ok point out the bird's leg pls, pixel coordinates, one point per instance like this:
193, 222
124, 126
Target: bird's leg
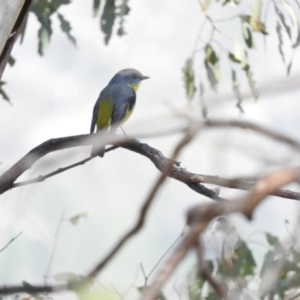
123, 131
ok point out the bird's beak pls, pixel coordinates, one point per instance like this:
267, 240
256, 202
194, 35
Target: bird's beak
145, 77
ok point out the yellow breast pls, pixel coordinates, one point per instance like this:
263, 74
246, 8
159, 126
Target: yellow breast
134, 86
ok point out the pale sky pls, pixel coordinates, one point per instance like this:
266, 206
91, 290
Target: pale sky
54, 96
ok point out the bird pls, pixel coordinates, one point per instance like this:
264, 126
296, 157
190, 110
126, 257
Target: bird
115, 104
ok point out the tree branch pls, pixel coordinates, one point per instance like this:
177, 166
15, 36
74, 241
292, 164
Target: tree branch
194, 181
13, 35
11, 241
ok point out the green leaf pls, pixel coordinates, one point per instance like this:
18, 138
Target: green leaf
247, 34
11, 61
243, 263
41, 8
269, 257
96, 7
213, 296
123, 10
189, 78
212, 66
96, 294
224, 2
256, 24
44, 34
202, 101
251, 81
207, 4
294, 21
233, 2
66, 28
240, 57
272, 239
256, 8
195, 284
2, 92
279, 30
55, 4
108, 19
282, 22
295, 255
236, 90
240, 54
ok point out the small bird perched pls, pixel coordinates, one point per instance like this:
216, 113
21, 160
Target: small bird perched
115, 103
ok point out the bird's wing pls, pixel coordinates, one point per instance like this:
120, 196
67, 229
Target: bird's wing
124, 101
105, 93
94, 117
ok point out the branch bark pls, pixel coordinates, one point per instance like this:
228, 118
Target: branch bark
192, 180
4, 55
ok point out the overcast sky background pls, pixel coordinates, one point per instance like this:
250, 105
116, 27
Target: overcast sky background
53, 96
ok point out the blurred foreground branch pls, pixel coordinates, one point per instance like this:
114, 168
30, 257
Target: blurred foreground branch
199, 218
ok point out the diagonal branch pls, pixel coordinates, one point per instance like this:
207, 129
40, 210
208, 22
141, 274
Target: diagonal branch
14, 34
192, 180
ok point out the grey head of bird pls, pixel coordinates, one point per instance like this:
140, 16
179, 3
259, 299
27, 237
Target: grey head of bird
130, 77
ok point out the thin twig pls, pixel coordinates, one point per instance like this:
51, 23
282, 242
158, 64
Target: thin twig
44, 177
11, 241
54, 246
146, 277
164, 255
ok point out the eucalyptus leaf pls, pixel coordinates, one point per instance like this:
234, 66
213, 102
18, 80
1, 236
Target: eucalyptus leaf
108, 19
247, 34
255, 20
294, 21
44, 34
212, 66
189, 78
279, 30
272, 239
66, 28
123, 10
283, 22
2, 92
207, 4
236, 90
243, 263
96, 7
